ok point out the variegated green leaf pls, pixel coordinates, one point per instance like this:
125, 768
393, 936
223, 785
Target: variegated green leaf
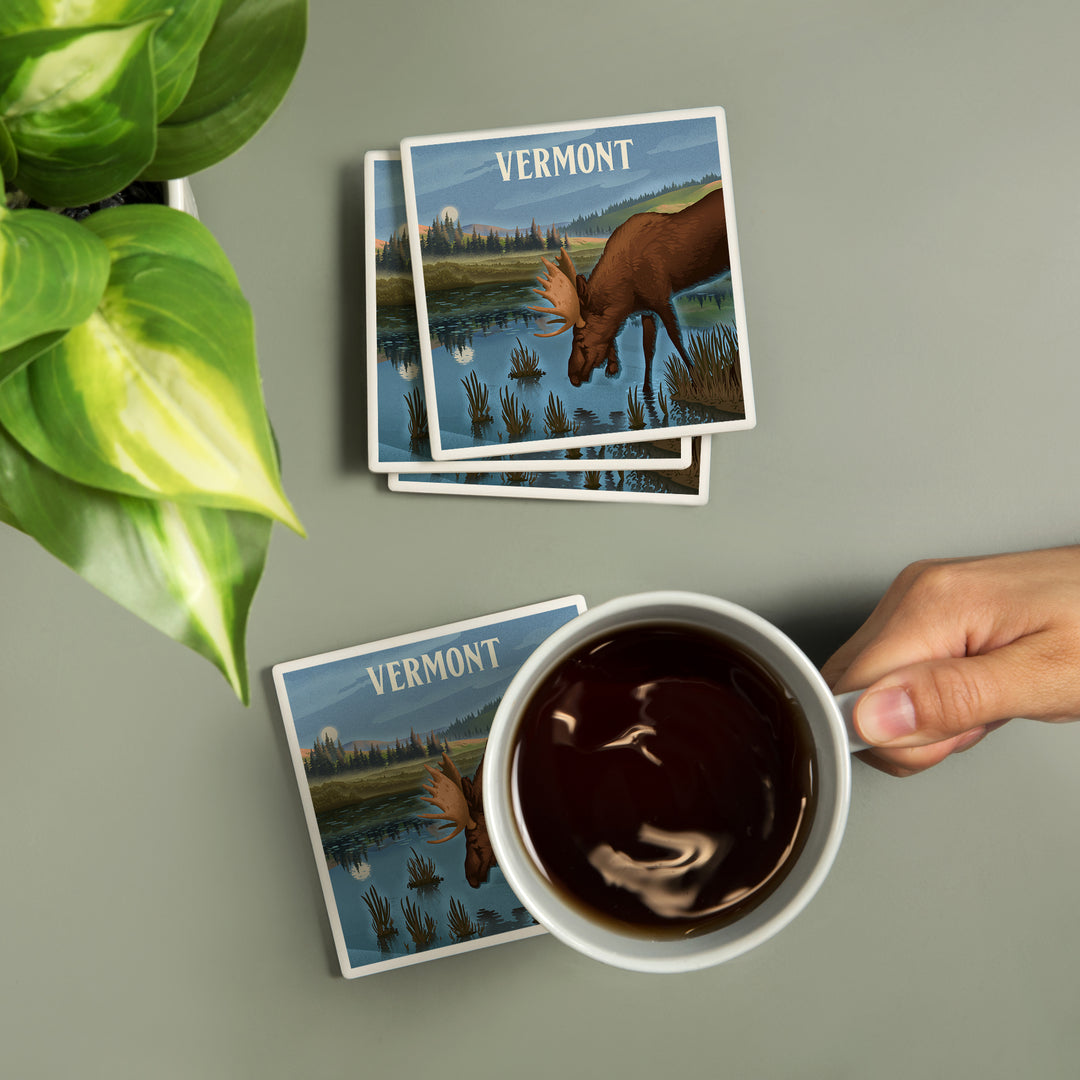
19, 15
149, 229
7, 515
189, 571
18, 356
157, 394
52, 274
246, 66
9, 157
176, 44
79, 106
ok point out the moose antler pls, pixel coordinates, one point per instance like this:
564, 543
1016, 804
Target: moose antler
447, 794
560, 290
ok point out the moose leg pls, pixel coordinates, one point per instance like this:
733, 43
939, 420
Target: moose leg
648, 344
667, 316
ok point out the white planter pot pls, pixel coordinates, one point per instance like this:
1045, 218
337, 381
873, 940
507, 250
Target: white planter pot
178, 194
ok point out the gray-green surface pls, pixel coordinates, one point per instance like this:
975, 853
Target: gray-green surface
905, 177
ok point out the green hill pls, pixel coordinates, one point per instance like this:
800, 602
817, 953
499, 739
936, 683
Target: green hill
604, 222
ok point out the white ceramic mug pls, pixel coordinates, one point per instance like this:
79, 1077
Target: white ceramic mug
829, 720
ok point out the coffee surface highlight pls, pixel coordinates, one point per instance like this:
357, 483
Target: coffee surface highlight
663, 779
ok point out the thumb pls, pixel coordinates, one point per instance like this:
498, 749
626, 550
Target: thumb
939, 699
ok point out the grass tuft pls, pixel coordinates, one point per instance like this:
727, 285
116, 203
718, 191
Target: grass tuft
717, 377
422, 872
461, 926
477, 393
525, 363
516, 418
556, 422
418, 421
421, 926
635, 410
381, 921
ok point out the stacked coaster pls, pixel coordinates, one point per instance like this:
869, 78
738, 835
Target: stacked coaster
556, 311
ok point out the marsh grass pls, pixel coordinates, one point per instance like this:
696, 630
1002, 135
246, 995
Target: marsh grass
422, 927
422, 873
461, 926
556, 422
464, 271
418, 421
516, 418
353, 787
717, 377
635, 410
525, 363
477, 393
381, 920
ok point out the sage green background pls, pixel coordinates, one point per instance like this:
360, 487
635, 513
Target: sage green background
905, 178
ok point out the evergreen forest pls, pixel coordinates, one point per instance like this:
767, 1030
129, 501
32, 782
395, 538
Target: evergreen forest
328, 757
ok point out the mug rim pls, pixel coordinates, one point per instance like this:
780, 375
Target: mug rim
635, 951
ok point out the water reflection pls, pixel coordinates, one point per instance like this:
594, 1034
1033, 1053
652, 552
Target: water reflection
481, 327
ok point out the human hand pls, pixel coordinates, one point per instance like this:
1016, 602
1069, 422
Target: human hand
956, 648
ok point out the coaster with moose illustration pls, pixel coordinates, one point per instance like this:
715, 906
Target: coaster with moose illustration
585, 278
684, 486
398, 430
387, 742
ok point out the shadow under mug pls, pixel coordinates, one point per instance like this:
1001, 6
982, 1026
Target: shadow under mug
834, 738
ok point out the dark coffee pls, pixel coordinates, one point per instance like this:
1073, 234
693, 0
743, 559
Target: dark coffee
663, 779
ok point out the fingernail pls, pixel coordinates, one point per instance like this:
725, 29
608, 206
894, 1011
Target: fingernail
970, 738
886, 715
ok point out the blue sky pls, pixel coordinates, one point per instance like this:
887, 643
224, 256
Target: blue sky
389, 198
340, 692
467, 173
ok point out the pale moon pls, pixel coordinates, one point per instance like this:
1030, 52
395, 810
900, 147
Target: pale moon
328, 732
448, 211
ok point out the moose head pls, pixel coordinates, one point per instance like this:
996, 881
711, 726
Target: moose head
462, 804
647, 260
568, 293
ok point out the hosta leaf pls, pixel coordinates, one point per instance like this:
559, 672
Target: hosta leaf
79, 106
189, 571
245, 68
17, 357
7, 515
144, 229
175, 48
9, 157
52, 274
19, 15
157, 394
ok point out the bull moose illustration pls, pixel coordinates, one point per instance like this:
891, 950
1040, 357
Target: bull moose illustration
461, 801
648, 259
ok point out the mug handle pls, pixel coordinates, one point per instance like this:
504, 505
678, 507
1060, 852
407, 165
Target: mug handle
846, 704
